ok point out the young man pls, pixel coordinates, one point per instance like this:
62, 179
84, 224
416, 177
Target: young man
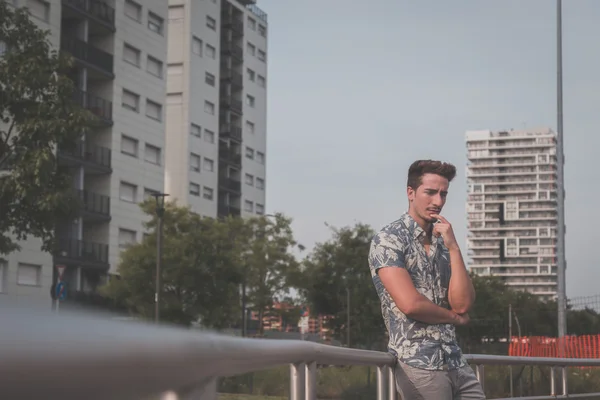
425, 290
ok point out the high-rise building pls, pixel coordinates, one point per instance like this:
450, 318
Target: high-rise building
216, 106
120, 52
512, 207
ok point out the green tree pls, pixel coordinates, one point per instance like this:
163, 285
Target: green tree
338, 268
38, 115
268, 261
200, 270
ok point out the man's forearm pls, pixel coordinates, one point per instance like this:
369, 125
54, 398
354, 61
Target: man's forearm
424, 310
461, 293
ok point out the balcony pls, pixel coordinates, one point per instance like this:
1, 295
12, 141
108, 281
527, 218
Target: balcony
236, 27
224, 210
97, 105
95, 159
232, 77
228, 48
88, 55
80, 252
232, 104
230, 156
231, 185
97, 11
230, 131
94, 206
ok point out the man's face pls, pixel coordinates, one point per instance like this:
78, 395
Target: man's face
429, 198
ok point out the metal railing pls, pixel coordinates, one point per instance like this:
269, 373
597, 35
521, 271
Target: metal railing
95, 8
88, 53
108, 359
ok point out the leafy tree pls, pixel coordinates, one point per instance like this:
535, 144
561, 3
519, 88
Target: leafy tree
268, 260
338, 268
38, 115
200, 270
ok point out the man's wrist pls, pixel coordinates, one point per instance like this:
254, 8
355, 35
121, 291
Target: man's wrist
454, 248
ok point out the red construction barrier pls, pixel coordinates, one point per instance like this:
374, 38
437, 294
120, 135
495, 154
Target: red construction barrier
587, 346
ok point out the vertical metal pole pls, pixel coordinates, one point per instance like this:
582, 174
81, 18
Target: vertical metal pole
510, 370
552, 382
348, 317
244, 323
297, 375
158, 264
480, 373
392, 392
381, 382
560, 253
565, 381
310, 388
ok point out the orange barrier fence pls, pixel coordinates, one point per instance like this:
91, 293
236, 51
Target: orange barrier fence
587, 346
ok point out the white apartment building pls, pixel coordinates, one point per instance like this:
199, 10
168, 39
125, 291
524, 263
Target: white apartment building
512, 207
217, 106
120, 52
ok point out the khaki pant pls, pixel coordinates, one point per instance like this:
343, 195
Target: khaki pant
420, 384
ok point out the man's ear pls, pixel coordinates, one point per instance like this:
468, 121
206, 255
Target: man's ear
410, 193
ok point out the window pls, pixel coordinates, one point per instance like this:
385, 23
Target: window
127, 192
260, 209
155, 23
127, 237
262, 30
251, 49
152, 154
154, 66
209, 79
194, 189
129, 146
262, 82
211, 52
250, 74
209, 136
209, 108
133, 10
249, 127
29, 274
39, 9
197, 46
262, 56
250, 100
194, 162
249, 180
249, 153
131, 55
130, 100
209, 165
208, 193
248, 206
252, 23
153, 110
260, 157
3, 272
211, 23
260, 183
195, 130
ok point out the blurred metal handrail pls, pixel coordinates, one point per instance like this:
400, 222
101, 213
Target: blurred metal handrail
67, 356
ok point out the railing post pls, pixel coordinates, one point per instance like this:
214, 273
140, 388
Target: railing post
310, 388
564, 381
480, 372
392, 392
297, 379
381, 382
552, 382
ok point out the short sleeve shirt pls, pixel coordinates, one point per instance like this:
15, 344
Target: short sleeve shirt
418, 344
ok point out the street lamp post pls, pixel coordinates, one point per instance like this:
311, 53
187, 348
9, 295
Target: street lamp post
160, 212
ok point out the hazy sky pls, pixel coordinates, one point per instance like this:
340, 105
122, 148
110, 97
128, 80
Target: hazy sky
357, 91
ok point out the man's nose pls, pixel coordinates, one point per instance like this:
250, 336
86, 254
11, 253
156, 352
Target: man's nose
438, 201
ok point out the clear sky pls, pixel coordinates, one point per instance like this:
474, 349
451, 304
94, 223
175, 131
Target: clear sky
359, 90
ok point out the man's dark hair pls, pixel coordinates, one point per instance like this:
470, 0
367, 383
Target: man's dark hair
422, 167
